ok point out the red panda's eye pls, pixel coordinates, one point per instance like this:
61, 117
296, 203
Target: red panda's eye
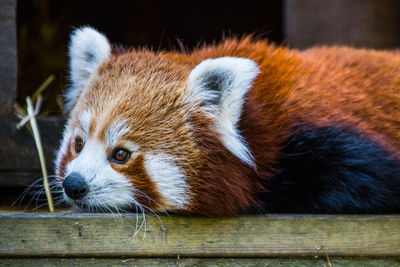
78, 145
121, 155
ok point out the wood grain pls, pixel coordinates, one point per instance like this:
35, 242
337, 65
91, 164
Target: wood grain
184, 262
101, 235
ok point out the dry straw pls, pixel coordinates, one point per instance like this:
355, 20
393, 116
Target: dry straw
31, 117
36, 136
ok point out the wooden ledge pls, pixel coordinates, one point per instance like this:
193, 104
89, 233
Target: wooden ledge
190, 262
102, 235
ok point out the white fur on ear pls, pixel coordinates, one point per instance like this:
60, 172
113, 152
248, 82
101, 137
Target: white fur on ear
221, 84
88, 48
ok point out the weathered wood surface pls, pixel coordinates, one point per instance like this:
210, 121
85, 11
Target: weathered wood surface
101, 235
361, 23
183, 262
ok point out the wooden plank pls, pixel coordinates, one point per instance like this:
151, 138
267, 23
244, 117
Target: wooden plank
101, 235
8, 56
361, 23
183, 262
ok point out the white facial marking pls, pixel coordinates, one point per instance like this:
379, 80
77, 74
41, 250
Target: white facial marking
231, 78
107, 187
170, 179
84, 121
132, 147
115, 131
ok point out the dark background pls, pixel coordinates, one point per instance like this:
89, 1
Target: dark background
44, 26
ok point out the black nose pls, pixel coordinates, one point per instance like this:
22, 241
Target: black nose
75, 186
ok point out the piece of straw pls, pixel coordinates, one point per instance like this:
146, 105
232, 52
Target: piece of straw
36, 136
43, 86
25, 119
36, 97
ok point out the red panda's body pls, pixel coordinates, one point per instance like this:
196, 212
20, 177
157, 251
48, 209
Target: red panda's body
278, 131
329, 86
322, 86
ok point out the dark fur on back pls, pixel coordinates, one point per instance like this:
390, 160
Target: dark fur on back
333, 170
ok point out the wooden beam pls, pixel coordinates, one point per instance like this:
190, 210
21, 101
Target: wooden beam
102, 235
185, 262
8, 56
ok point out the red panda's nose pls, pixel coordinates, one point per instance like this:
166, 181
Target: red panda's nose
75, 186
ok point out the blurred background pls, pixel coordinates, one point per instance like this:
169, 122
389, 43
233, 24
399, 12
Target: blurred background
43, 28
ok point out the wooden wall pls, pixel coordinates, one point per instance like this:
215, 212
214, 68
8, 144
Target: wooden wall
359, 23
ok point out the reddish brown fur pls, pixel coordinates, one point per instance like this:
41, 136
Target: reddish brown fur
319, 86
156, 127
66, 158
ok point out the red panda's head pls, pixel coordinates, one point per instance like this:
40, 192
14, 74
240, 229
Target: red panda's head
145, 130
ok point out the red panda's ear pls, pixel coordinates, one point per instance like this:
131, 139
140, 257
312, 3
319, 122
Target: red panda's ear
221, 84
88, 48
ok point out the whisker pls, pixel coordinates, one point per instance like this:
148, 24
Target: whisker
159, 219
39, 206
142, 194
137, 221
38, 196
59, 201
34, 185
26, 191
32, 198
118, 214
143, 221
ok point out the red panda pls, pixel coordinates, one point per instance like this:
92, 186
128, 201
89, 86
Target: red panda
241, 126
